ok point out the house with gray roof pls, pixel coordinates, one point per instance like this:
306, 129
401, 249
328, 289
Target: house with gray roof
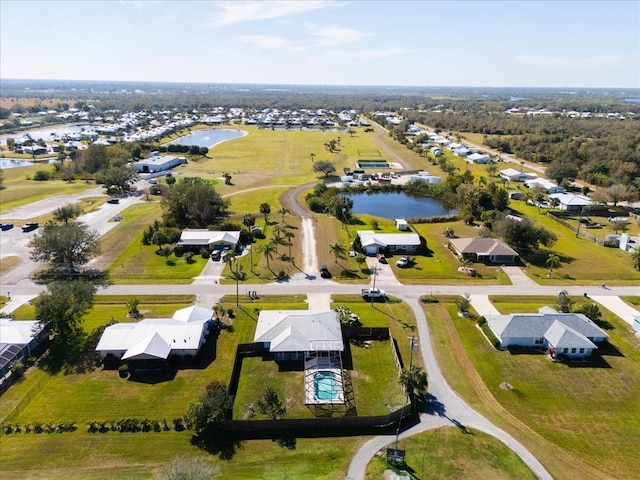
573, 335
373, 242
482, 249
211, 239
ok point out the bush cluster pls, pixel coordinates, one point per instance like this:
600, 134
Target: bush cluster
39, 427
133, 425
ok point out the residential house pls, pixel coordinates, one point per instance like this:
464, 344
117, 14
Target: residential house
573, 335
149, 343
571, 202
513, 175
18, 340
310, 336
479, 158
482, 249
211, 239
373, 242
401, 224
425, 177
547, 185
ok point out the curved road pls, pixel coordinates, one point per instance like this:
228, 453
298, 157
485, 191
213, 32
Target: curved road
447, 407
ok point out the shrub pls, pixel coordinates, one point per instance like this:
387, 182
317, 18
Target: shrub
123, 371
17, 370
204, 253
41, 176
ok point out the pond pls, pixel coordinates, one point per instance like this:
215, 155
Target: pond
208, 138
394, 205
13, 163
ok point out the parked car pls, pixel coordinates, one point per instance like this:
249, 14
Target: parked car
402, 262
113, 200
382, 258
216, 255
324, 272
27, 227
6, 226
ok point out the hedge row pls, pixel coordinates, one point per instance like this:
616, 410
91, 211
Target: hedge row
125, 425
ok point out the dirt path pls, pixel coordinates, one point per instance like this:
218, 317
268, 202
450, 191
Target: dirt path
309, 251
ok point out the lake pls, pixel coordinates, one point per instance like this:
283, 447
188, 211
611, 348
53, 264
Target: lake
14, 163
208, 138
394, 205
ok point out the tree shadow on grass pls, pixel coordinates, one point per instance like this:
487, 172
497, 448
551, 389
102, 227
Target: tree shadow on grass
222, 444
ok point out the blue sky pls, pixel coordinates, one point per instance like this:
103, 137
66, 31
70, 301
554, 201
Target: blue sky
423, 43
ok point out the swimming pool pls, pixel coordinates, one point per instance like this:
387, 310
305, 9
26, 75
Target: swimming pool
325, 385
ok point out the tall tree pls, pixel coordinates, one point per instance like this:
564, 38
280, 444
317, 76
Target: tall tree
268, 249
207, 414
325, 167
65, 245
414, 381
283, 211
67, 212
265, 209
193, 203
61, 311
339, 251
553, 260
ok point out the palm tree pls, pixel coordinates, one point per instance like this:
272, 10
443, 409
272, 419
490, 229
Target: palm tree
268, 249
283, 211
289, 235
338, 250
265, 209
277, 240
553, 260
249, 220
414, 380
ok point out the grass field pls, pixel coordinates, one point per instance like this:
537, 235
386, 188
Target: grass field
577, 416
448, 453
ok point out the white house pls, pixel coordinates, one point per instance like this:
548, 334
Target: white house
372, 242
462, 152
294, 334
570, 334
547, 185
401, 224
479, 158
571, 202
513, 175
211, 239
150, 342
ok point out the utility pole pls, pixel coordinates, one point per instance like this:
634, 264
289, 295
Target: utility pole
375, 274
412, 339
237, 286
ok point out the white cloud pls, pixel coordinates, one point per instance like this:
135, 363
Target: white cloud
593, 61
138, 4
330, 35
236, 12
266, 41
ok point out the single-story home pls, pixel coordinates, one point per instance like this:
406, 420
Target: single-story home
211, 239
158, 163
373, 242
482, 249
150, 342
513, 175
547, 185
295, 334
571, 202
479, 158
18, 340
461, 152
571, 334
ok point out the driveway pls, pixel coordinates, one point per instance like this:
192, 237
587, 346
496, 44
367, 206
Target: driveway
616, 305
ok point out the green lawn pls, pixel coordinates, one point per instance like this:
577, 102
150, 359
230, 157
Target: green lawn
449, 453
578, 415
581, 259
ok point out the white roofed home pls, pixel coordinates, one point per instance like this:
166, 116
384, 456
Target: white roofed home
484, 249
150, 342
373, 242
572, 335
571, 202
211, 239
18, 340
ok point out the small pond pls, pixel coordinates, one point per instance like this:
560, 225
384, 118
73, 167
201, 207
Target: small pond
13, 163
394, 205
208, 138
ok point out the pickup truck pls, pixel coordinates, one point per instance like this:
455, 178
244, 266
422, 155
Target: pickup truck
369, 293
27, 227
